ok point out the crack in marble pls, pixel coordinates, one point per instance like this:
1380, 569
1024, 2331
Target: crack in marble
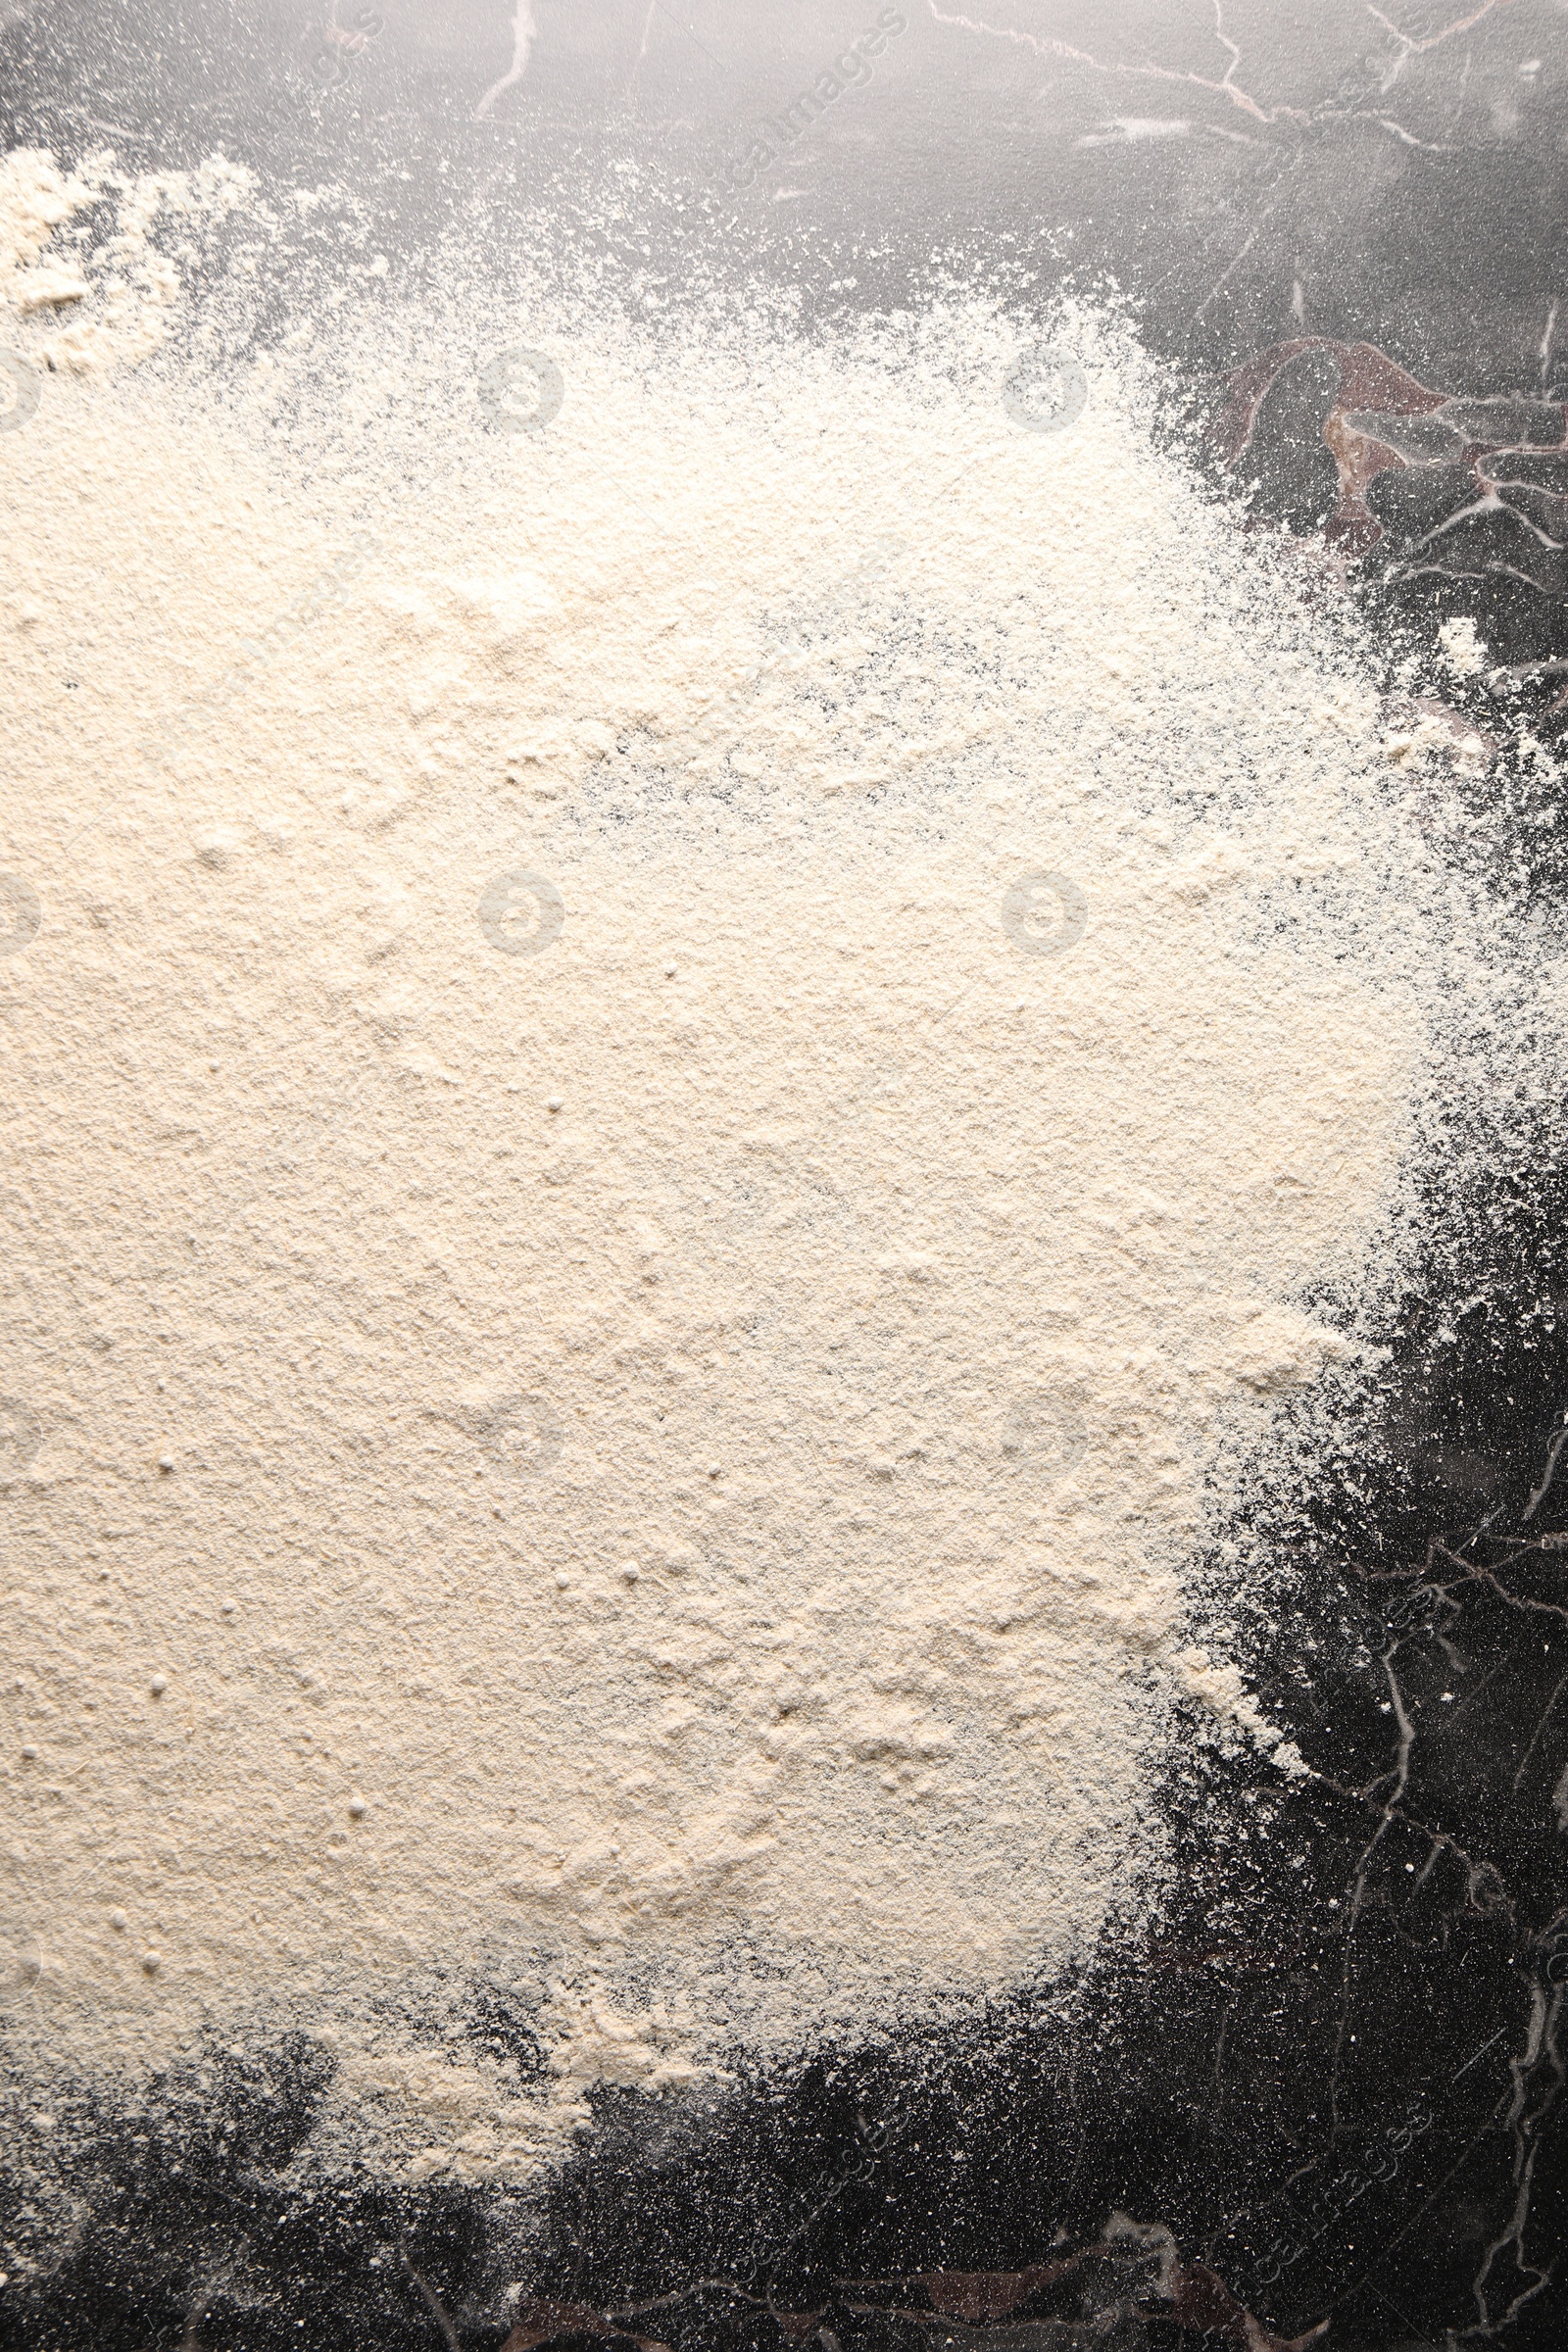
1352, 108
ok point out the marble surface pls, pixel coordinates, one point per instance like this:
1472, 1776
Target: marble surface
1323, 2099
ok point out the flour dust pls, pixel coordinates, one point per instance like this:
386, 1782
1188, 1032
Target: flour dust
686, 1064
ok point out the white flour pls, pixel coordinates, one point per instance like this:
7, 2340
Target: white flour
662, 1467
103, 300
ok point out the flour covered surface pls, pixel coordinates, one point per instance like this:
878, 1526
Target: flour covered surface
705, 1020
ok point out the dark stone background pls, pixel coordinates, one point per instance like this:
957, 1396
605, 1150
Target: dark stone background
1324, 2090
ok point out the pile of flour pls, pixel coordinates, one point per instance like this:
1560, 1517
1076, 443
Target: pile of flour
680, 1065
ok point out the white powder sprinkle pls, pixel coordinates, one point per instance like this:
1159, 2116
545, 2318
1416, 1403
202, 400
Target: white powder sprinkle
682, 1073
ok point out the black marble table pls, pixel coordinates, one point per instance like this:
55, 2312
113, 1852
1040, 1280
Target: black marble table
1322, 2099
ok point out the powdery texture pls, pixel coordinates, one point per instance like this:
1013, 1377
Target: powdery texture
80, 263
665, 1460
